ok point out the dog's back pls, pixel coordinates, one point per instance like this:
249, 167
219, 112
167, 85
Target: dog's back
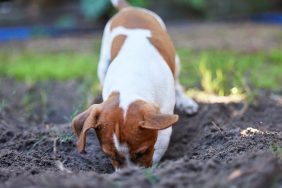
142, 58
138, 18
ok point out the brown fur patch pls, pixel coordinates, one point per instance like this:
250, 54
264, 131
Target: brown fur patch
108, 119
140, 141
111, 121
116, 46
136, 18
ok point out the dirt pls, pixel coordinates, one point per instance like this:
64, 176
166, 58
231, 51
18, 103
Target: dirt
244, 37
210, 149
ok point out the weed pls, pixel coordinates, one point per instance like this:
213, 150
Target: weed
43, 101
151, 177
3, 105
66, 138
211, 83
220, 72
276, 149
117, 184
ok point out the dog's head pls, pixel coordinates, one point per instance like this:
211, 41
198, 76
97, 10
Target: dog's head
126, 137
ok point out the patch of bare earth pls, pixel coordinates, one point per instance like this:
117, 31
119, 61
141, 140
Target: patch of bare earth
210, 149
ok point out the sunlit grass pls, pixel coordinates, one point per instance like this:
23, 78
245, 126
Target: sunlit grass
224, 73
220, 73
34, 67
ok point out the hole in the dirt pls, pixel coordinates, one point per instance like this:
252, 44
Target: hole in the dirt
184, 131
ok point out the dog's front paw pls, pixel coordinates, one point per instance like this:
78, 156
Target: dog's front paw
187, 105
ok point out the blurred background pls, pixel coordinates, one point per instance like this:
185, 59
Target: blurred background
231, 64
21, 19
229, 49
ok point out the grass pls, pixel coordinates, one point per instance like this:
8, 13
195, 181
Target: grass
66, 138
216, 72
32, 67
277, 149
224, 72
150, 176
3, 104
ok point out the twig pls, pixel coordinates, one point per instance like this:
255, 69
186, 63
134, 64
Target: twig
218, 128
241, 112
58, 163
55, 147
238, 173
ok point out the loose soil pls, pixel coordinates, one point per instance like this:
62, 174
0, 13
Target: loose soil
210, 149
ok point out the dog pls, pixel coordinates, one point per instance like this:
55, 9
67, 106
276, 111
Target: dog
138, 70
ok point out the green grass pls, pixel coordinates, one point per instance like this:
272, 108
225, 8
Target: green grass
215, 72
225, 72
33, 67
277, 149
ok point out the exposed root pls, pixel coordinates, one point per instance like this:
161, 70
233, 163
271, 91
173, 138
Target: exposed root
61, 167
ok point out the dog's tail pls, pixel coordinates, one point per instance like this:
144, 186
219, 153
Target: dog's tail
120, 4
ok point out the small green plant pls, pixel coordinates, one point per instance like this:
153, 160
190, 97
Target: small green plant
66, 138
27, 103
151, 177
43, 101
213, 84
3, 104
276, 149
117, 184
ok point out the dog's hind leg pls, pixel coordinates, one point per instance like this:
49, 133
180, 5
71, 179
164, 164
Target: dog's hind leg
183, 102
105, 54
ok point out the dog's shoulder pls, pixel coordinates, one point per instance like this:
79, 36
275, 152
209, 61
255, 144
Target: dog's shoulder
139, 18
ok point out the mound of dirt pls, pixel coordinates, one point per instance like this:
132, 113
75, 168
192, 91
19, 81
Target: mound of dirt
210, 149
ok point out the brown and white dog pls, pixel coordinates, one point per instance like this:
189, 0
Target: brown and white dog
138, 69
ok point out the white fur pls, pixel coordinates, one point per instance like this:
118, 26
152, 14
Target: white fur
121, 148
161, 144
105, 54
139, 72
115, 2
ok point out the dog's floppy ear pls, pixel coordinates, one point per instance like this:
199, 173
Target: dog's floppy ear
83, 122
154, 120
